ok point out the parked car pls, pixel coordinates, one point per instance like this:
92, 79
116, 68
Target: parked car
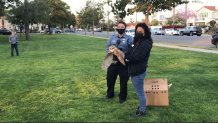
157, 31
172, 31
5, 31
68, 30
53, 30
130, 32
97, 30
191, 30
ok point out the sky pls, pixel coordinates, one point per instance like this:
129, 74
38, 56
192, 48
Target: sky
76, 5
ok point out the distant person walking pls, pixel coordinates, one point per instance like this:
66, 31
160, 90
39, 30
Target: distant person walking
13, 40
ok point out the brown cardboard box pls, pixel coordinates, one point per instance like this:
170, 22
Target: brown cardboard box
156, 92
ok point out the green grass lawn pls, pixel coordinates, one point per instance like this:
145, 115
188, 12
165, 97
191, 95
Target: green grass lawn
59, 78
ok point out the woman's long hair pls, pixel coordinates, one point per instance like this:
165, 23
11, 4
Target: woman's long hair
147, 32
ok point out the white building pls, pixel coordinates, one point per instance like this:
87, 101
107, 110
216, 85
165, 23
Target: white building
193, 5
206, 14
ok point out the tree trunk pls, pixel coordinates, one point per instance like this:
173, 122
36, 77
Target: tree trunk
3, 23
26, 21
49, 29
27, 31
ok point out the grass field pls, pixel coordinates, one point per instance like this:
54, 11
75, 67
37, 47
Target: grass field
58, 78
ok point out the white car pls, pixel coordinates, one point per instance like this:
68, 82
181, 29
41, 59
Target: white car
157, 31
130, 32
171, 31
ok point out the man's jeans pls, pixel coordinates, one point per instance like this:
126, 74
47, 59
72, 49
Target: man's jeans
14, 46
138, 83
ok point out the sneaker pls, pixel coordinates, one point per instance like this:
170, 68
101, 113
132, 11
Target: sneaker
140, 113
107, 97
122, 101
137, 109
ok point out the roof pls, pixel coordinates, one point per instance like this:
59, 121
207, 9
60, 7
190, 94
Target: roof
211, 8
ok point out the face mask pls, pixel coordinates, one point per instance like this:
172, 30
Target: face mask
139, 35
120, 31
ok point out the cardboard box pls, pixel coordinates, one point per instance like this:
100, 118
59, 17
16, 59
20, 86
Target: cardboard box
156, 92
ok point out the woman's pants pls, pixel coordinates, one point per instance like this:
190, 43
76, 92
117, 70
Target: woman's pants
138, 83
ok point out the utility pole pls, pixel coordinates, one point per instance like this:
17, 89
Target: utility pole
173, 16
108, 2
186, 14
93, 21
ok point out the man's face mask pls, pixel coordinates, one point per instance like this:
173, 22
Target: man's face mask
121, 28
120, 31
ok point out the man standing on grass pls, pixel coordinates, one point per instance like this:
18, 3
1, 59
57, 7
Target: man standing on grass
13, 39
122, 42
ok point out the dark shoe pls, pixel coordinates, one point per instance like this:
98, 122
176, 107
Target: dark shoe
137, 110
122, 101
140, 113
108, 97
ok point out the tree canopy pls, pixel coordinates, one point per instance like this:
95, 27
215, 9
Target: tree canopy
92, 12
119, 8
7, 4
151, 6
147, 7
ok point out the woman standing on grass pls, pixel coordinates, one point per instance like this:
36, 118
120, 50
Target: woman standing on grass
13, 39
137, 60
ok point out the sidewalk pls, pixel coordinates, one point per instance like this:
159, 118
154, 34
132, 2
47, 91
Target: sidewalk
171, 46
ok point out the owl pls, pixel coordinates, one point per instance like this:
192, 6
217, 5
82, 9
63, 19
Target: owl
109, 57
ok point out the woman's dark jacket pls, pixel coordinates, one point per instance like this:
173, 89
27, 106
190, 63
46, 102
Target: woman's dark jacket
137, 57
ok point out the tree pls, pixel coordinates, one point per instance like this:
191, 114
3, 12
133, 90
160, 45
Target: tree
212, 23
154, 22
27, 13
90, 15
58, 14
151, 6
186, 14
71, 20
7, 5
177, 20
118, 8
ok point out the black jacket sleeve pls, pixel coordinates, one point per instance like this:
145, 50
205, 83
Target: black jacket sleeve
138, 53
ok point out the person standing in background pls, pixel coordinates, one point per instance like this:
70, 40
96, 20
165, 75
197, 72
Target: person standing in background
13, 40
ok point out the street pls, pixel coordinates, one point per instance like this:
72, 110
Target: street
203, 41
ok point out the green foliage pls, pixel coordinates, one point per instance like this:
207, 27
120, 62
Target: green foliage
154, 22
151, 6
36, 13
177, 20
119, 8
54, 12
7, 4
212, 23
58, 78
91, 12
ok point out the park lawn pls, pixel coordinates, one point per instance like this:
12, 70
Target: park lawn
58, 78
